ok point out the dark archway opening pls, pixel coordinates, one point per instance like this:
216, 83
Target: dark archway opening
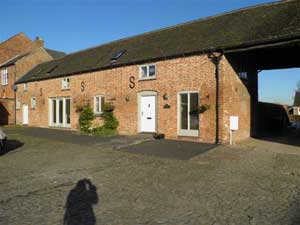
4, 114
269, 119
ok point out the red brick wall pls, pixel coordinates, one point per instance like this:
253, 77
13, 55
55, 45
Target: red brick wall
6, 91
195, 73
36, 56
16, 45
235, 101
18, 70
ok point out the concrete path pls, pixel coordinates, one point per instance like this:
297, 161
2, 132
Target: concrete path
181, 150
41, 182
137, 144
74, 137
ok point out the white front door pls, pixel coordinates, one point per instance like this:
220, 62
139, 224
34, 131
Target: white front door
148, 113
25, 114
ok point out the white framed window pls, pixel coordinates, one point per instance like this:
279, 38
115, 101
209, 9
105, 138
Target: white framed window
188, 113
98, 104
65, 83
33, 102
18, 104
25, 86
4, 77
147, 72
60, 112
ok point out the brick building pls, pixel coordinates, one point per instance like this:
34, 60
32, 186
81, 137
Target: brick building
159, 81
18, 55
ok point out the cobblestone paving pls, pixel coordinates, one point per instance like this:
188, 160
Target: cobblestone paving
257, 182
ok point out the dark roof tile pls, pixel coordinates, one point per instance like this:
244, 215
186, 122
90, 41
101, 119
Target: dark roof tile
55, 54
264, 23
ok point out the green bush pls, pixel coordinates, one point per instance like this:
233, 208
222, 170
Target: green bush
85, 119
110, 121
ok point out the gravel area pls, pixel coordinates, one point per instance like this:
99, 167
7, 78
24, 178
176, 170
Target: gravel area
47, 181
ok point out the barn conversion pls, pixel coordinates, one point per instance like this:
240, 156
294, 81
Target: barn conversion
184, 81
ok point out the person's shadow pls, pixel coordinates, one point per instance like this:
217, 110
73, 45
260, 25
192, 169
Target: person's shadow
79, 205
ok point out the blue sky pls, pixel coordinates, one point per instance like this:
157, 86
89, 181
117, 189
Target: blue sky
77, 24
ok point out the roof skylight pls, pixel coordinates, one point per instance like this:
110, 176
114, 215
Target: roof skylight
117, 55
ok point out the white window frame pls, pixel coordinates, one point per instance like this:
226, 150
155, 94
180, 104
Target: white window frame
148, 77
65, 83
64, 123
101, 98
33, 102
4, 77
25, 86
187, 132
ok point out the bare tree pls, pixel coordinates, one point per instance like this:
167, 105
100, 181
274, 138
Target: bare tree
298, 86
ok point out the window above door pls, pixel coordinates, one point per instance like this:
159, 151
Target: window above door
147, 72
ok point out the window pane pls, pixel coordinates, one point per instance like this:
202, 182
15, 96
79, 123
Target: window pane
67, 82
144, 71
152, 70
54, 110
60, 108
194, 115
97, 106
33, 103
68, 104
184, 111
102, 104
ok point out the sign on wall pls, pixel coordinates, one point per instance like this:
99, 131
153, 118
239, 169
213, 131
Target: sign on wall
82, 86
131, 82
234, 122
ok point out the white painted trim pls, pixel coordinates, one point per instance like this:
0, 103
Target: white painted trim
23, 114
64, 118
100, 104
148, 77
65, 83
33, 103
188, 132
139, 95
4, 77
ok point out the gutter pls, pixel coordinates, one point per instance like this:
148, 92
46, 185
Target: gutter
264, 45
216, 59
15, 94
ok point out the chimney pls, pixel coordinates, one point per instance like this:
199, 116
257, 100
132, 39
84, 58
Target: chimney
38, 43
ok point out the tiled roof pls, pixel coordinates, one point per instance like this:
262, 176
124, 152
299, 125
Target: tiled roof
55, 54
245, 27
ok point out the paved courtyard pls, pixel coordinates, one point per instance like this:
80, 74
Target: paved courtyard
48, 180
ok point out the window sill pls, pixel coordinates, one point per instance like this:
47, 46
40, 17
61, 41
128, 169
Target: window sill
66, 89
188, 133
98, 114
4, 84
60, 127
144, 79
